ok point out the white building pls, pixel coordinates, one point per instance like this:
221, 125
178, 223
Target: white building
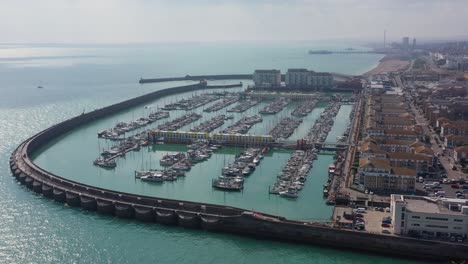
303, 78
429, 217
267, 78
296, 77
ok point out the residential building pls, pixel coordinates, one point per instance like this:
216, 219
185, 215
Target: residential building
452, 141
267, 78
418, 162
377, 175
427, 217
305, 79
460, 153
459, 128
296, 78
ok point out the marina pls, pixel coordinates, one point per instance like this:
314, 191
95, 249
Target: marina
71, 154
179, 141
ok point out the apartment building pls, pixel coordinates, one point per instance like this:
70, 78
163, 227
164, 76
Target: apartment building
428, 217
267, 78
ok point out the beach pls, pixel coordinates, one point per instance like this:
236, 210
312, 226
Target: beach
389, 64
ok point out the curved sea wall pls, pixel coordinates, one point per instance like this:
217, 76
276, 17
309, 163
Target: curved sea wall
200, 215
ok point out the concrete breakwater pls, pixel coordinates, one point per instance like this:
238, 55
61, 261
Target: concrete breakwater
199, 78
199, 215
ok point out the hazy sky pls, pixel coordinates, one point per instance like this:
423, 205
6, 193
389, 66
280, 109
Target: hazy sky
124, 21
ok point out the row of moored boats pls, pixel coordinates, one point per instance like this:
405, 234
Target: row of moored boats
121, 128
180, 122
275, 106
232, 176
285, 127
177, 164
191, 103
107, 158
243, 125
247, 104
292, 178
211, 124
324, 124
229, 100
305, 108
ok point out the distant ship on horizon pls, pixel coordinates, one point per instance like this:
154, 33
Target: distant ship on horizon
320, 52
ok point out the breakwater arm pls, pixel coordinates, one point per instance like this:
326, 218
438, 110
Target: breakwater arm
199, 78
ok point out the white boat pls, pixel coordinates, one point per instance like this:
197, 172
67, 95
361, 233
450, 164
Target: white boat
155, 177
290, 193
246, 171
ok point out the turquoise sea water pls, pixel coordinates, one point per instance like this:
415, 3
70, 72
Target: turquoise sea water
80, 78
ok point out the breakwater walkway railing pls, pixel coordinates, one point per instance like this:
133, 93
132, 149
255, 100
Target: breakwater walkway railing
201, 215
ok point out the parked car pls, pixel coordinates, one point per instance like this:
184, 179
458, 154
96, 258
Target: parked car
385, 231
385, 225
387, 209
455, 186
360, 215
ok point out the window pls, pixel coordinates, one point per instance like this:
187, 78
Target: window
458, 220
403, 209
402, 216
436, 218
415, 224
402, 223
457, 227
436, 226
415, 217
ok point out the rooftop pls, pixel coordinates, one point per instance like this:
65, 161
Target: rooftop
421, 204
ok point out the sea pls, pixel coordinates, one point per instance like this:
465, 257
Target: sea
77, 78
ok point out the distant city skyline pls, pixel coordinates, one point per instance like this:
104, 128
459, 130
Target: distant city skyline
123, 21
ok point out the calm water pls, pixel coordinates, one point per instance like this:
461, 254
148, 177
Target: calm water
81, 78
